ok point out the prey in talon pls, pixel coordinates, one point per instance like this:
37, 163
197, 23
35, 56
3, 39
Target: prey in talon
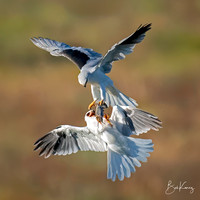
100, 107
99, 112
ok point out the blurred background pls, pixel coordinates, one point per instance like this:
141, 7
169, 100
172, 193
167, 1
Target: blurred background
39, 92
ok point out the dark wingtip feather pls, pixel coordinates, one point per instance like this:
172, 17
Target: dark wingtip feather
148, 26
49, 152
38, 146
43, 151
138, 35
143, 28
42, 138
33, 40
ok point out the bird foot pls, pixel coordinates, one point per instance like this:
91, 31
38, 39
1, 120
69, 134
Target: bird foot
106, 116
101, 102
91, 105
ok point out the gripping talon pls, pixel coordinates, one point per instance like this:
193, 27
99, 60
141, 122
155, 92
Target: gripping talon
101, 102
106, 116
91, 105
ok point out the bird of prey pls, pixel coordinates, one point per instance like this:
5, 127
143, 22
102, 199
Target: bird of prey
94, 67
124, 153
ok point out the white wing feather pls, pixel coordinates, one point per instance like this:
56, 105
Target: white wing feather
79, 55
69, 139
124, 47
130, 120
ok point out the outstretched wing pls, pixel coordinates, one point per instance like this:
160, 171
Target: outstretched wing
80, 56
142, 120
130, 120
124, 47
69, 139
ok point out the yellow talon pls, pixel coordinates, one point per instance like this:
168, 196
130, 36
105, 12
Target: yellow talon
101, 102
91, 105
106, 116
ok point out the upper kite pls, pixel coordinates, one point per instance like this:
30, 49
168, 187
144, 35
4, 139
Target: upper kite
93, 66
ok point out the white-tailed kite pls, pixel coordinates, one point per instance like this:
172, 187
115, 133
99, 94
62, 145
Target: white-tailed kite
124, 152
94, 67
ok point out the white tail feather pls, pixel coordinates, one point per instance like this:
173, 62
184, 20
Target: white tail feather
122, 165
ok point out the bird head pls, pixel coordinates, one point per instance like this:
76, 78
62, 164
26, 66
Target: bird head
90, 118
90, 113
83, 77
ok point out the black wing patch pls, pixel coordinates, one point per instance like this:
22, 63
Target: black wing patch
78, 57
128, 121
136, 37
56, 144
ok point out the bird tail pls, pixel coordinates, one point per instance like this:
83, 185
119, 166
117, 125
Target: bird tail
122, 165
115, 97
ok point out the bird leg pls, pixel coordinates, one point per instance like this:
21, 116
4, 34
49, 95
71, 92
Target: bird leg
101, 102
106, 116
91, 105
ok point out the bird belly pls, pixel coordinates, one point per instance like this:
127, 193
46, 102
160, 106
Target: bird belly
116, 142
108, 137
101, 82
98, 77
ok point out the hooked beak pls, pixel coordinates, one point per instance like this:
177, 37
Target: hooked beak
85, 83
92, 113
